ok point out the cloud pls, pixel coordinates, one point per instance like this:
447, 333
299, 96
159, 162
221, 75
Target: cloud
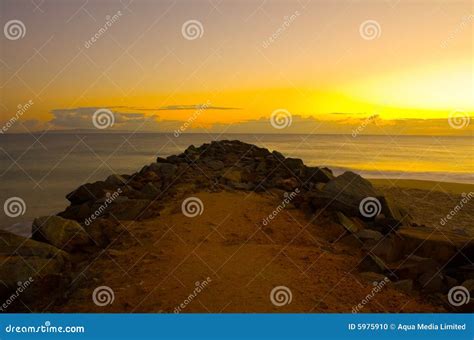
178, 107
82, 118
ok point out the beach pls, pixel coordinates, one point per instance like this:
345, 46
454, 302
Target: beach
232, 227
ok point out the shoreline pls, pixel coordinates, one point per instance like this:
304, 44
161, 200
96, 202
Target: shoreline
205, 213
449, 187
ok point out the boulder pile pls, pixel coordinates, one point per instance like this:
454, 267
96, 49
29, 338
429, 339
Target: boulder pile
411, 257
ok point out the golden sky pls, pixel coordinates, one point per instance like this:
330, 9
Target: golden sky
330, 64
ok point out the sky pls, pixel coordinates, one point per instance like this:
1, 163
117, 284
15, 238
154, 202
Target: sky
368, 67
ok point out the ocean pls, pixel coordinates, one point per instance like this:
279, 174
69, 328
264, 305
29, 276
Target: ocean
42, 169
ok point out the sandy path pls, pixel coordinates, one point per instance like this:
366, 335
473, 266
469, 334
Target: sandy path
155, 268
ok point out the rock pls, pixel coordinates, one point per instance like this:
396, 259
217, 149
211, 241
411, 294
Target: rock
167, 170
132, 209
44, 274
88, 192
233, 175
59, 232
175, 159
278, 155
385, 224
369, 235
414, 266
150, 176
372, 263
79, 212
432, 283
296, 165
392, 211
373, 277
389, 249
405, 286
11, 244
351, 224
104, 231
150, 191
288, 184
469, 284
25, 261
318, 175
161, 160
344, 193
115, 181
215, 164
446, 247
450, 281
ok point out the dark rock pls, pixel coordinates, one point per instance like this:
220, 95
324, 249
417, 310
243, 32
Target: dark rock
318, 175
175, 159
446, 247
150, 191
390, 248
88, 192
369, 235
373, 277
344, 193
78, 212
11, 244
372, 263
132, 209
104, 231
288, 184
59, 232
215, 164
414, 266
432, 283
405, 286
469, 284
166, 170
352, 225
115, 181
44, 275
278, 155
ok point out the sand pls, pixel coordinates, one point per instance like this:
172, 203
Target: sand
158, 264
429, 202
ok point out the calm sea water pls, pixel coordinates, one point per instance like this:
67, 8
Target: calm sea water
41, 170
